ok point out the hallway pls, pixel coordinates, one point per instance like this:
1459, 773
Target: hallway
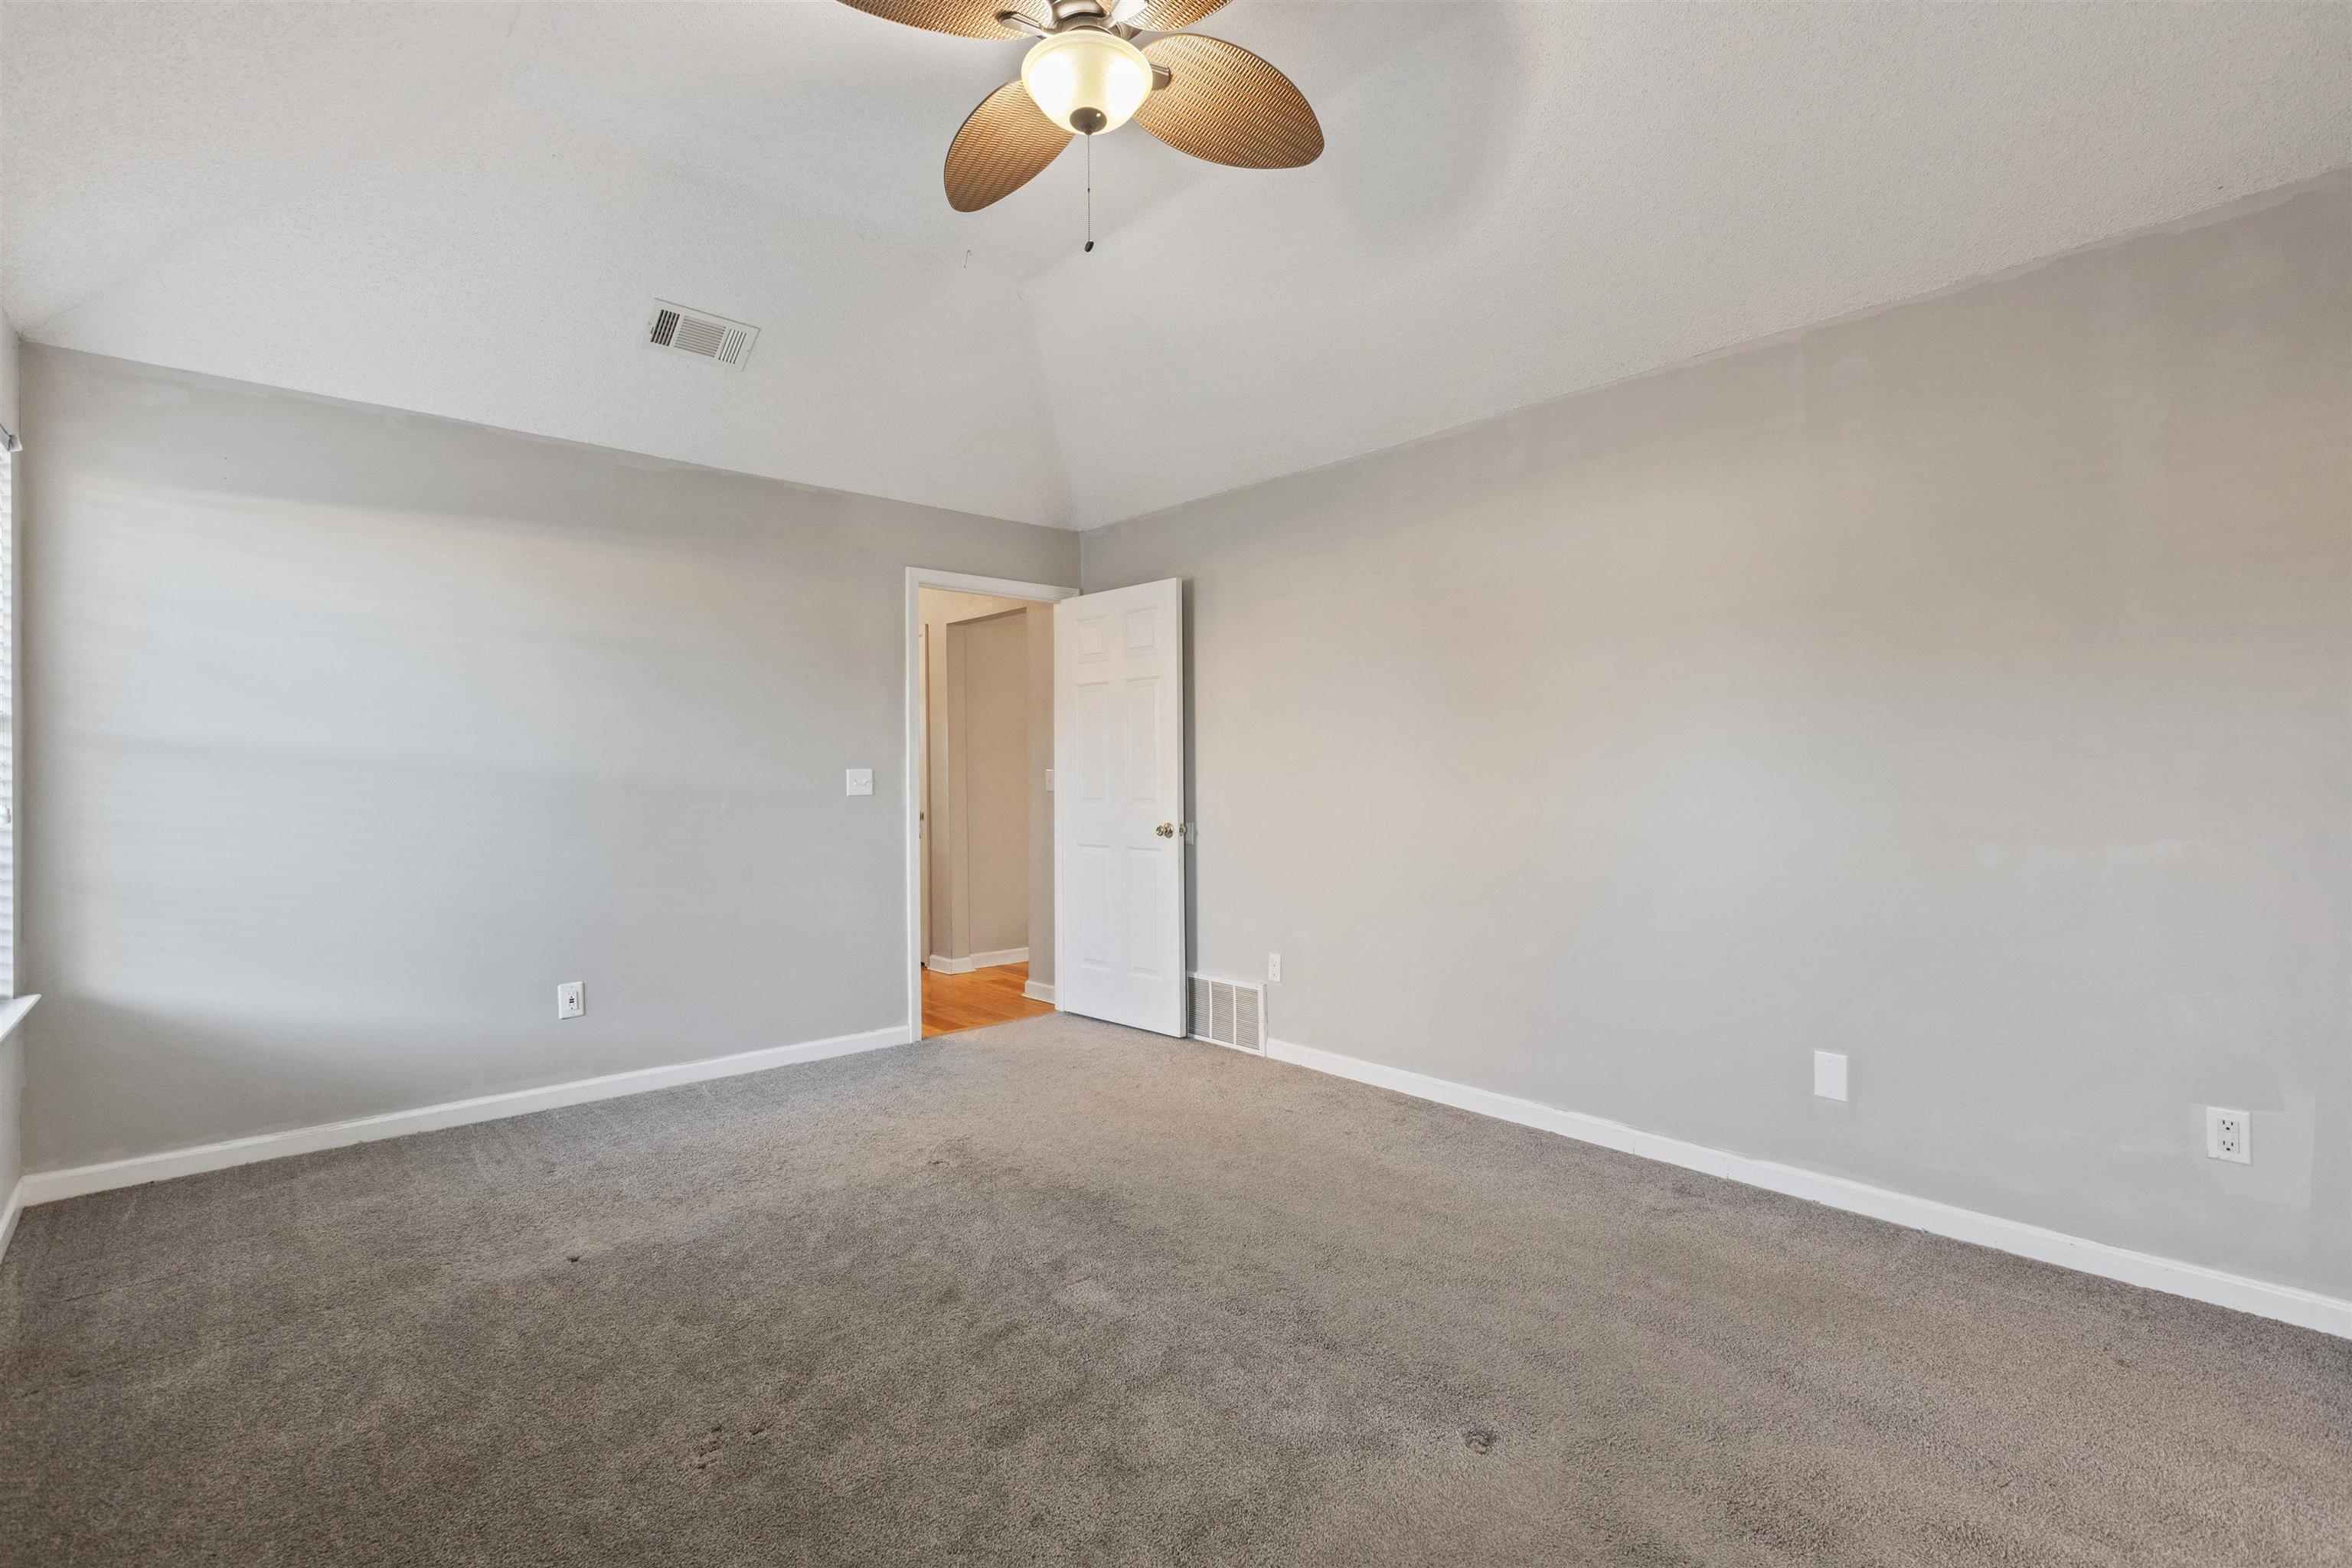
953, 1003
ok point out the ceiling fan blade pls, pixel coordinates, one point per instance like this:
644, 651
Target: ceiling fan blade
1167, 16
965, 18
1000, 149
1224, 104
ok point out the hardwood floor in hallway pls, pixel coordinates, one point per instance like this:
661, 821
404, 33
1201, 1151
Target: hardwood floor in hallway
953, 1003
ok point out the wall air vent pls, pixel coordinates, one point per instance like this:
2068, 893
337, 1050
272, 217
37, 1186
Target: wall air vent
682, 330
1229, 1014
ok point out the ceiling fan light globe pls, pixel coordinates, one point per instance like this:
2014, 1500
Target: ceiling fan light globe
1087, 80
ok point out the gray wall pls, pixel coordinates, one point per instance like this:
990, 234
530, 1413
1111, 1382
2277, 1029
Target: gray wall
8, 374
945, 902
1041, 794
351, 734
12, 1110
11, 1048
988, 672
1967, 687
940, 609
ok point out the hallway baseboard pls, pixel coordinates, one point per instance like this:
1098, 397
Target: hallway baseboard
939, 965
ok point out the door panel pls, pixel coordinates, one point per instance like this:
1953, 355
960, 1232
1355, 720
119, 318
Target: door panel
1118, 750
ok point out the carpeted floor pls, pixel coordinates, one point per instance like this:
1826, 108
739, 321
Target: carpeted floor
1055, 1293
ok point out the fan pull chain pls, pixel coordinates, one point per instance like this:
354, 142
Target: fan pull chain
1090, 194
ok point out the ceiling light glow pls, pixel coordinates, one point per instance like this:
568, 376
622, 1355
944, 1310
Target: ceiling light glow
1088, 80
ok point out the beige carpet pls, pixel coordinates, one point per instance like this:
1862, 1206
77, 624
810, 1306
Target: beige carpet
1060, 1293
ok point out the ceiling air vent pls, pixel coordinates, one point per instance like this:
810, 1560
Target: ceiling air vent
1229, 1014
698, 332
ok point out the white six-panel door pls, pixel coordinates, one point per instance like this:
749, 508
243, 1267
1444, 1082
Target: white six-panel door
1119, 806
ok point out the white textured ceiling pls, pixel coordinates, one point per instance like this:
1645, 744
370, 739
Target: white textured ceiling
467, 209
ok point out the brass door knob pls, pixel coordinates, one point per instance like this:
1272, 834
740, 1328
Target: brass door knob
1166, 830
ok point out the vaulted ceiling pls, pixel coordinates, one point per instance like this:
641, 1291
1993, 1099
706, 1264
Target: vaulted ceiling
468, 209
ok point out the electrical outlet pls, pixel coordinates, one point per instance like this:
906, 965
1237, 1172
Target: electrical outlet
1274, 966
1829, 1074
2229, 1135
571, 1000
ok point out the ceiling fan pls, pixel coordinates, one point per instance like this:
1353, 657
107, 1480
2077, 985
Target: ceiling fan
1087, 75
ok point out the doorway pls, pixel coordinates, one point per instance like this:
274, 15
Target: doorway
981, 762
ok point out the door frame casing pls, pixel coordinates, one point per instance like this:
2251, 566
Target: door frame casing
918, 579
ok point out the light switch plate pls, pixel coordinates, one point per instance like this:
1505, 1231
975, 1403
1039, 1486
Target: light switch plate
861, 781
1829, 1074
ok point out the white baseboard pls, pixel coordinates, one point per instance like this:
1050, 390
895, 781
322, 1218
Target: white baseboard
1037, 990
2287, 1303
939, 965
15, 1205
47, 1186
